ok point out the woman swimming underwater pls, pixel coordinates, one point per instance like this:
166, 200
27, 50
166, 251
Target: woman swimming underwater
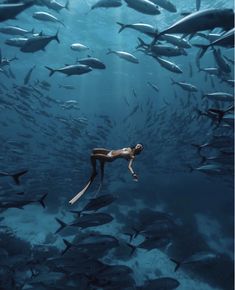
105, 155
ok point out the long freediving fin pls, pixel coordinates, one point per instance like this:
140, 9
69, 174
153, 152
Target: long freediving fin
80, 194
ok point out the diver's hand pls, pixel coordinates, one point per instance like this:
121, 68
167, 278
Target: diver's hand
135, 177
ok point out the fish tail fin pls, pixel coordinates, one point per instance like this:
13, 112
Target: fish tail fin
197, 146
52, 71
133, 248
68, 245
77, 212
109, 51
204, 159
136, 232
177, 264
67, 5
173, 82
130, 235
141, 43
123, 26
61, 22
62, 225
17, 176
190, 168
156, 37
57, 36
41, 200
203, 49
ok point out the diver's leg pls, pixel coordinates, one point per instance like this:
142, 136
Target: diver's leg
93, 163
101, 171
100, 151
101, 177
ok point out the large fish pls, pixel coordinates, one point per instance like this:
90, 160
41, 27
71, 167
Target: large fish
94, 241
21, 203
39, 42
200, 257
200, 21
10, 11
226, 40
144, 6
16, 176
86, 221
70, 70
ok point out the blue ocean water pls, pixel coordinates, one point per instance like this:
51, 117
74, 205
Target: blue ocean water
49, 126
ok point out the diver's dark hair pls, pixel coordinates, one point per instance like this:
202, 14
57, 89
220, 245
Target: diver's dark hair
133, 146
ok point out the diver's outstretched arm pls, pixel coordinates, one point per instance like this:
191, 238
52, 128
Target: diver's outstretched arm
80, 194
134, 175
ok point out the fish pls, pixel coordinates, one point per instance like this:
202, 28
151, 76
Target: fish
97, 203
176, 40
226, 40
210, 169
21, 203
93, 242
165, 283
16, 176
141, 27
44, 16
156, 89
201, 20
10, 11
219, 96
165, 4
106, 4
199, 257
124, 55
92, 62
143, 6
232, 61
161, 50
70, 70
168, 65
28, 75
185, 86
53, 4
16, 41
86, 221
15, 30
150, 243
78, 47
37, 43
222, 64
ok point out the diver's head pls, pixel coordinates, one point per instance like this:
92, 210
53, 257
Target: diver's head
138, 148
